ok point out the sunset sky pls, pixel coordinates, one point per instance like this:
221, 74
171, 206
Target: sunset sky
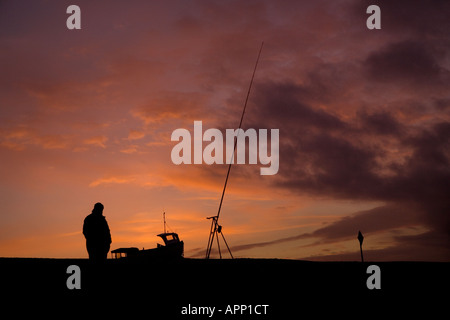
87, 115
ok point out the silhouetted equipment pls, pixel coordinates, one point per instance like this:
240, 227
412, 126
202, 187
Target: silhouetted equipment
214, 223
172, 248
215, 230
361, 239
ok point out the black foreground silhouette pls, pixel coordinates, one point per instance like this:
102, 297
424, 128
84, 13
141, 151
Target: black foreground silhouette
97, 234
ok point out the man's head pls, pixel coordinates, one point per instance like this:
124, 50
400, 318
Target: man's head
98, 208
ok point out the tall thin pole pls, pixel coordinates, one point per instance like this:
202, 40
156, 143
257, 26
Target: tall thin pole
210, 243
164, 215
240, 126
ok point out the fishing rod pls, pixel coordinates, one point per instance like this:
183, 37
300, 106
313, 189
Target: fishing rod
215, 227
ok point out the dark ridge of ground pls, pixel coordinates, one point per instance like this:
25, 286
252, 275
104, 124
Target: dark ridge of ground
291, 288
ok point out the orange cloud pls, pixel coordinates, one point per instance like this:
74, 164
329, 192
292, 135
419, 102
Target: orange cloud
112, 180
172, 105
98, 141
136, 135
131, 149
21, 137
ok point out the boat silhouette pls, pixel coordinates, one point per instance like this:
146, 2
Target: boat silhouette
173, 248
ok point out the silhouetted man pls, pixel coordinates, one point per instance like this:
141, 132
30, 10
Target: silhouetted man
97, 234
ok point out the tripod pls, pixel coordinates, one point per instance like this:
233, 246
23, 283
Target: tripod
214, 232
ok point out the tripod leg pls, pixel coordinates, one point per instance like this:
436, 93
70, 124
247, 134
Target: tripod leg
210, 240
218, 245
227, 245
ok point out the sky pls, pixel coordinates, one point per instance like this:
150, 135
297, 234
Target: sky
363, 115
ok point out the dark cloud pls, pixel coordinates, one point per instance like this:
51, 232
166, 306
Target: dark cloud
370, 221
325, 153
284, 102
335, 165
442, 104
406, 61
381, 122
329, 165
431, 148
